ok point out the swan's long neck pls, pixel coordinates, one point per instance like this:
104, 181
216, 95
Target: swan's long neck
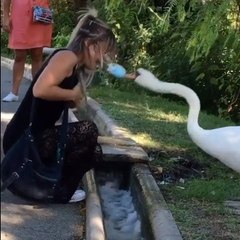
189, 95
151, 82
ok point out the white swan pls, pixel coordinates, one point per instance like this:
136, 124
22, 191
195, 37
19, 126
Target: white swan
221, 143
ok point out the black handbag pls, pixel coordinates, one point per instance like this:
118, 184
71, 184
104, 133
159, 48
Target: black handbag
24, 173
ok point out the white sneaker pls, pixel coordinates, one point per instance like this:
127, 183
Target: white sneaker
10, 98
78, 196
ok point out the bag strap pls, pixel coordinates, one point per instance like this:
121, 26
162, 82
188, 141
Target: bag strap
35, 3
63, 137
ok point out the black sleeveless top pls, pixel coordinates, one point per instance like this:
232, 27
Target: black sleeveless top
45, 113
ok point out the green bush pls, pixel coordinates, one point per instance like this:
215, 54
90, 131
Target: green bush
4, 42
193, 42
65, 18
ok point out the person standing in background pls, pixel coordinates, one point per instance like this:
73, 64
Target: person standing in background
25, 36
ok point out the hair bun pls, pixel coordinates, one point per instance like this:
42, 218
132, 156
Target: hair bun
88, 12
93, 12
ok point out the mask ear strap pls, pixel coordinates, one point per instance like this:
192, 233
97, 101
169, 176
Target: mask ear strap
98, 49
91, 50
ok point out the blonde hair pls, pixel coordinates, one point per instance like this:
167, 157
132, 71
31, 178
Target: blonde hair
91, 28
83, 15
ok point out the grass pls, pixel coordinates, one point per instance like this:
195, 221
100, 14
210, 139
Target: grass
212, 190
159, 126
204, 221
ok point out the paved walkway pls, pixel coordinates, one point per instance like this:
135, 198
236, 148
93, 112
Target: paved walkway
23, 220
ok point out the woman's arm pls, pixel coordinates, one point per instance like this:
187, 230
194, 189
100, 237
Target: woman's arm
59, 67
6, 15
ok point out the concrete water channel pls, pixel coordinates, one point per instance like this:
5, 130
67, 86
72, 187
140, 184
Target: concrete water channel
127, 165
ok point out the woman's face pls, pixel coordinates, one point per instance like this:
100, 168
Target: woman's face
94, 55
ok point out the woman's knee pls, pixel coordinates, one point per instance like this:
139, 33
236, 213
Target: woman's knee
85, 127
20, 55
36, 54
91, 126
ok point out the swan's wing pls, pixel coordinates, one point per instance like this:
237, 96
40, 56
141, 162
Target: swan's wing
226, 137
221, 143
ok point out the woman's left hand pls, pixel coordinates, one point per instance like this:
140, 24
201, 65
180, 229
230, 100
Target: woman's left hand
6, 24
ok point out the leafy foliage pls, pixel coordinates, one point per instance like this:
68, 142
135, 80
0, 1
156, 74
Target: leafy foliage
64, 21
192, 42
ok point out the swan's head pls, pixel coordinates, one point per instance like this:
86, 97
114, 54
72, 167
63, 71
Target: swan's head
146, 79
143, 73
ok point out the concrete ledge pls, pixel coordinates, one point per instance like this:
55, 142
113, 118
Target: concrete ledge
121, 150
152, 205
106, 125
48, 51
94, 218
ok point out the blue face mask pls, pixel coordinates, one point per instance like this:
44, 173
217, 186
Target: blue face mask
116, 70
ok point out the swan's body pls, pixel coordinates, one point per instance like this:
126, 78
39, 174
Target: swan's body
221, 143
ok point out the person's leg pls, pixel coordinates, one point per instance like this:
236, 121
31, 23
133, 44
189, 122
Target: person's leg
36, 56
18, 69
82, 154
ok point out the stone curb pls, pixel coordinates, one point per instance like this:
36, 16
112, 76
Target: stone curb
159, 218
94, 218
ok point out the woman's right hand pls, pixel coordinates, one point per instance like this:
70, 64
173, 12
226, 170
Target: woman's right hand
6, 24
78, 95
131, 76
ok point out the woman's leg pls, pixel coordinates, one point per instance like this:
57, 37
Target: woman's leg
36, 55
18, 69
82, 154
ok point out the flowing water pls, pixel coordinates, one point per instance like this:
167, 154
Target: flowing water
121, 219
